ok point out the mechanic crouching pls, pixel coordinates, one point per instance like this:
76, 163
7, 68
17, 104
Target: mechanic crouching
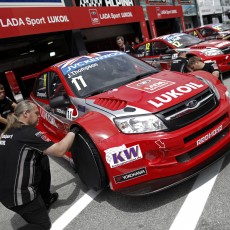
24, 166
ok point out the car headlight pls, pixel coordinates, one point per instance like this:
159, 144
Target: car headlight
227, 94
140, 124
212, 52
211, 86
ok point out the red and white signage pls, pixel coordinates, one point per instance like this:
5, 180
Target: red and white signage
27, 21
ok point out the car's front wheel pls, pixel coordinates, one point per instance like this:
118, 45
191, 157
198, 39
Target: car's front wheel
88, 162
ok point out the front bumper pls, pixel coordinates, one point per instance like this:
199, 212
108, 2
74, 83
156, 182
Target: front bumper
157, 185
154, 161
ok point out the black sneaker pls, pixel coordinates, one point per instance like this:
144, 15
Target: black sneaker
53, 198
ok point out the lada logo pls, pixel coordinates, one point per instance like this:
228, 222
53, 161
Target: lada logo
191, 104
143, 82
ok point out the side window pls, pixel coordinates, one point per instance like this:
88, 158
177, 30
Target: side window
193, 33
40, 88
56, 87
144, 50
160, 48
207, 32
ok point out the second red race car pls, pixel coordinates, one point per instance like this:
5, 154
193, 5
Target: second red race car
160, 51
211, 31
141, 130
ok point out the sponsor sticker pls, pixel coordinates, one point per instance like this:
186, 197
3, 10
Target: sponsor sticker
168, 96
150, 85
130, 175
121, 155
209, 135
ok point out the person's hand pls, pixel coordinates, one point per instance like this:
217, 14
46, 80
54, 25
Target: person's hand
74, 130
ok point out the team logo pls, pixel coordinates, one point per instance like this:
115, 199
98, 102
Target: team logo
192, 104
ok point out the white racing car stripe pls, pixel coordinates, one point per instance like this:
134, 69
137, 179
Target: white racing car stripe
190, 212
74, 210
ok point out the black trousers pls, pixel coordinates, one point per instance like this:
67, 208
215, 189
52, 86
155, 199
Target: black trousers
35, 214
44, 186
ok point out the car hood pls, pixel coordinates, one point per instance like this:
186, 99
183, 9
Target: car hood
151, 94
211, 44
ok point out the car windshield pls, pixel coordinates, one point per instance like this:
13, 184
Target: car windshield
221, 27
94, 75
181, 40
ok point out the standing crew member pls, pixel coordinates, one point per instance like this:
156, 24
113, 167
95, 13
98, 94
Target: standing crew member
6, 107
22, 148
195, 63
180, 63
124, 47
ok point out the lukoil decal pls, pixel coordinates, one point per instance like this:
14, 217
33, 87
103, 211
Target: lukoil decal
130, 175
209, 135
174, 93
150, 85
121, 155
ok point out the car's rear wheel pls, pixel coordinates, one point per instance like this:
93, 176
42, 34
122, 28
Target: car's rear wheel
88, 162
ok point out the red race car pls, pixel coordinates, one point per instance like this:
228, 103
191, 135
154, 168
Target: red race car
160, 51
211, 31
141, 130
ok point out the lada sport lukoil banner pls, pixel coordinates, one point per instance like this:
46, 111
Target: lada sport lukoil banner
164, 12
104, 16
18, 3
31, 20
26, 21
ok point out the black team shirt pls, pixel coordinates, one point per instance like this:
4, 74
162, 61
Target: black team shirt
20, 169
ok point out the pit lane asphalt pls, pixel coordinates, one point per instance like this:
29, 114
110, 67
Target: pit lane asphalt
109, 210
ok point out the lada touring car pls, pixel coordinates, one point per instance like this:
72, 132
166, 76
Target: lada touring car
211, 31
140, 130
160, 51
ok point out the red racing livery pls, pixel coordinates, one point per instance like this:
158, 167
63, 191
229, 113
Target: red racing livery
211, 31
160, 51
141, 130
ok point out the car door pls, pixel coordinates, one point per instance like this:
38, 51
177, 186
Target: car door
40, 97
62, 116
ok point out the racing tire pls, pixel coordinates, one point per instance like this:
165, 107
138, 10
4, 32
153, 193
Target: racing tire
88, 162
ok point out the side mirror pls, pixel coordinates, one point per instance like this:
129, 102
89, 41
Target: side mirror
59, 102
170, 51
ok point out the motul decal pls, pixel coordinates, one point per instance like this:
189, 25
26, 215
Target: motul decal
209, 135
121, 155
130, 175
174, 93
150, 85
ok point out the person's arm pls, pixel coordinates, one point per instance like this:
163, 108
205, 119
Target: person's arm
14, 105
60, 148
216, 73
3, 120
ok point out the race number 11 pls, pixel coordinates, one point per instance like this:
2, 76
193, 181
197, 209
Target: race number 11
79, 82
